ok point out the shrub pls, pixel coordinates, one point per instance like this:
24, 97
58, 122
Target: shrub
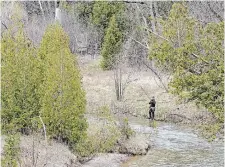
62, 97
20, 82
11, 151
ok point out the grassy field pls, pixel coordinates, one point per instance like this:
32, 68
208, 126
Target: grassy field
100, 91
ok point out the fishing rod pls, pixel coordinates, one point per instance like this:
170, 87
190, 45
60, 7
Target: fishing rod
145, 92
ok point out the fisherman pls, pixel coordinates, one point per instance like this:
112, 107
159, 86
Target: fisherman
152, 108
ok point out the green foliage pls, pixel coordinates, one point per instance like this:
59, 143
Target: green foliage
20, 100
111, 45
126, 130
109, 132
88, 147
153, 123
62, 98
103, 140
103, 136
105, 113
194, 55
210, 131
43, 82
84, 11
164, 7
11, 149
100, 12
104, 10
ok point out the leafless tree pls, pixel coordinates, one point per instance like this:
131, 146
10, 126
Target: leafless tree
207, 11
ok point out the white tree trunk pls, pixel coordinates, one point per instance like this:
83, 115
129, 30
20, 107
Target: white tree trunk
58, 15
43, 13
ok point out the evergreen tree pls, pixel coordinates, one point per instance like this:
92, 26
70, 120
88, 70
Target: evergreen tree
103, 11
111, 45
20, 100
62, 97
194, 54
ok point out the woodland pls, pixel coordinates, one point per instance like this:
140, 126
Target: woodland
75, 73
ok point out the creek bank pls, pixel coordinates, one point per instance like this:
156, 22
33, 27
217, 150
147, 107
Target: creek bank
124, 149
34, 151
137, 145
106, 160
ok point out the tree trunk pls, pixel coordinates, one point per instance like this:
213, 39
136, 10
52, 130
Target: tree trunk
152, 17
58, 15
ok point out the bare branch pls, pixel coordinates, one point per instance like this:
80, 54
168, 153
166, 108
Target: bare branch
160, 79
214, 12
196, 56
157, 83
157, 34
145, 92
140, 43
4, 25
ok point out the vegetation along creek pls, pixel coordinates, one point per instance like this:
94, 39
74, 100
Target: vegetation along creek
112, 83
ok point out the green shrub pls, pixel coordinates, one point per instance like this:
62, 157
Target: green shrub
11, 150
20, 82
62, 97
103, 136
210, 131
126, 130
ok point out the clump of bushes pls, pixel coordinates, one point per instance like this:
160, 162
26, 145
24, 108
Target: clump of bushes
104, 136
42, 86
11, 151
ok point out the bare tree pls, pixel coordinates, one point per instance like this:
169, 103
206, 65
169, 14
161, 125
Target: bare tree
207, 11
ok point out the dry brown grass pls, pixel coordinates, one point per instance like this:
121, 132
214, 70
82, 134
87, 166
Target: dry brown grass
35, 152
99, 87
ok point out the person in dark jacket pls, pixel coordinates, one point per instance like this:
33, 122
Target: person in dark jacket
152, 108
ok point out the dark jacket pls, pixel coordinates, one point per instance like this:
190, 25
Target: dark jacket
152, 103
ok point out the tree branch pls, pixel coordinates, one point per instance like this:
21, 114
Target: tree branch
193, 54
196, 56
140, 43
157, 34
160, 79
214, 12
4, 25
145, 92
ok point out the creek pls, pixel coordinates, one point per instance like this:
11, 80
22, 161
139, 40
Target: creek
175, 146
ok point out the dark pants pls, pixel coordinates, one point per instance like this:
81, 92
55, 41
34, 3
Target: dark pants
152, 113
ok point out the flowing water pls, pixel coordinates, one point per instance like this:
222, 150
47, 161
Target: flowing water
173, 145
